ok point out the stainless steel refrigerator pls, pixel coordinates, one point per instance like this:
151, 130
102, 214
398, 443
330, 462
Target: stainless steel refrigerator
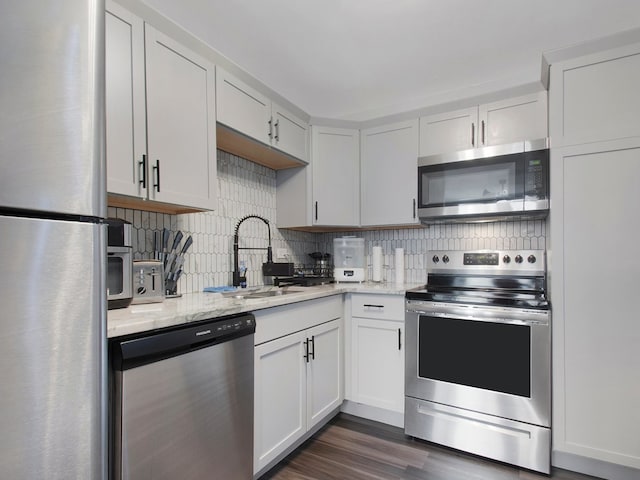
52, 202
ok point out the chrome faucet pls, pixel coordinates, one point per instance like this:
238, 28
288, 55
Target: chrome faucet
237, 279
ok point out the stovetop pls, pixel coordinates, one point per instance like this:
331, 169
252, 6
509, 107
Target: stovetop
505, 278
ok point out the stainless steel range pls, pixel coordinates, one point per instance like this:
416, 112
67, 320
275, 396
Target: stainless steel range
478, 356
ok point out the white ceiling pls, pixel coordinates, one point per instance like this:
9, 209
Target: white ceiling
361, 59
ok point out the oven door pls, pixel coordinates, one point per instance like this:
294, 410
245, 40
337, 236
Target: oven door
490, 360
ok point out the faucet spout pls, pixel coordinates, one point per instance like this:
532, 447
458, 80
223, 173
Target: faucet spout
236, 248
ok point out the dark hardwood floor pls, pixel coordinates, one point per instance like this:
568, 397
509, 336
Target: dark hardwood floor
353, 448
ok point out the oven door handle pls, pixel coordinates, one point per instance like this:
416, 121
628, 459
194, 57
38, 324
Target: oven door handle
515, 317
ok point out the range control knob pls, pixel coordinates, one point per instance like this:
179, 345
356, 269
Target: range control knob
518, 259
506, 259
435, 259
445, 259
531, 259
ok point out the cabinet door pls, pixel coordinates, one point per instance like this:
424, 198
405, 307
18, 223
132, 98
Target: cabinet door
125, 102
389, 174
596, 97
449, 132
378, 363
336, 176
290, 133
324, 371
514, 119
180, 123
243, 108
280, 397
595, 316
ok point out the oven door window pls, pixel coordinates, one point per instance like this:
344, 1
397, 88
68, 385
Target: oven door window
471, 182
486, 355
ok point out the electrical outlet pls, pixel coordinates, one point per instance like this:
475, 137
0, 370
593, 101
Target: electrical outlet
281, 253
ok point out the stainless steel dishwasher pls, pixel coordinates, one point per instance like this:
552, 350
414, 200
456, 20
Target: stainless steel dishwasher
182, 402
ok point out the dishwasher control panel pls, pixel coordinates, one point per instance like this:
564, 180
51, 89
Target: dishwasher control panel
145, 348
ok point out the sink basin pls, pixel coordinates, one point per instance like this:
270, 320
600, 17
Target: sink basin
249, 294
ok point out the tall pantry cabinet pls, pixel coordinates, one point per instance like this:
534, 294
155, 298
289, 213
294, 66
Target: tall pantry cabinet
595, 266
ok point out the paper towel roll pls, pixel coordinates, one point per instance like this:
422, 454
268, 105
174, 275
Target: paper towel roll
377, 264
399, 265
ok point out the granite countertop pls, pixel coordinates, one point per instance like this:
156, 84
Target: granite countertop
193, 307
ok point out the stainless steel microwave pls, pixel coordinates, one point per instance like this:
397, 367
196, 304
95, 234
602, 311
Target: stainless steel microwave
490, 183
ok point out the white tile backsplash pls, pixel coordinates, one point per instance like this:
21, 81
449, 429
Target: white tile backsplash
418, 242
246, 188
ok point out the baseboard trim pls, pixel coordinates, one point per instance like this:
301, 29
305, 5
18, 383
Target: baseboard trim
591, 466
373, 413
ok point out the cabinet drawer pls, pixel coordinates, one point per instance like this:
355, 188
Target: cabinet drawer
276, 322
387, 307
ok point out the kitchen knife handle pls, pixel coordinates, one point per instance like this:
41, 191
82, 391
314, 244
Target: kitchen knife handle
277, 130
270, 128
143, 171
482, 132
473, 134
156, 169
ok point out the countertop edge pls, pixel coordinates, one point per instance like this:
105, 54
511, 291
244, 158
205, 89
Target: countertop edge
194, 307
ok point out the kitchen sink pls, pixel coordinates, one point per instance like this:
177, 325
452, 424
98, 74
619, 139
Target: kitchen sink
250, 294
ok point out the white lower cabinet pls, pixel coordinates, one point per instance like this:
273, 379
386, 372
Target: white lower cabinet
378, 363
377, 351
298, 376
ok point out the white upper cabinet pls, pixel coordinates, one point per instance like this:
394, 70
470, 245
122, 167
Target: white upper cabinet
448, 132
513, 120
251, 113
242, 108
180, 123
505, 121
290, 134
125, 102
170, 158
335, 155
596, 98
389, 163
